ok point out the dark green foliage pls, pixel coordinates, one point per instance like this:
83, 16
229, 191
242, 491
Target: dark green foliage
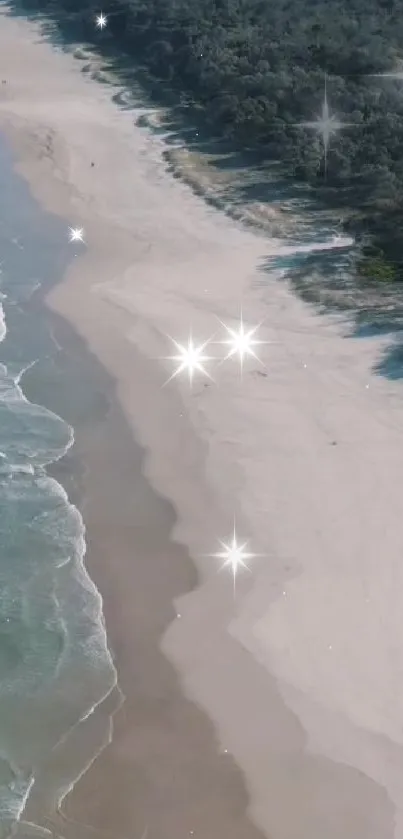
377, 269
255, 68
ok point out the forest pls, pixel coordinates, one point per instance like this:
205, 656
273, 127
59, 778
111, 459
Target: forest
255, 70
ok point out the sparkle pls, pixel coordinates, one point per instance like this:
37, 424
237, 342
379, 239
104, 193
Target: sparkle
326, 124
234, 555
241, 342
190, 358
101, 21
76, 234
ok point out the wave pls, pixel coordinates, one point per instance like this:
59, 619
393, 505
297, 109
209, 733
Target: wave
51, 613
3, 327
336, 242
55, 665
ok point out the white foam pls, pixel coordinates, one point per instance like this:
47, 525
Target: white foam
17, 468
336, 242
11, 391
3, 327
17, 794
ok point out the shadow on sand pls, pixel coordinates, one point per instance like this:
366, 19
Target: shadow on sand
247, 185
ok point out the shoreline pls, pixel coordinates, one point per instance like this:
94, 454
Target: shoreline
108, 445
265, 677
218, 782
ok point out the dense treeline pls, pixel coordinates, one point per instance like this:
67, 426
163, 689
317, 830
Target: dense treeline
256, 68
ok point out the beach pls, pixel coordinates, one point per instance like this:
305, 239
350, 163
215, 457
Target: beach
275, 712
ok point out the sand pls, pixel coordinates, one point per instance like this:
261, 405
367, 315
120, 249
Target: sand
301, 672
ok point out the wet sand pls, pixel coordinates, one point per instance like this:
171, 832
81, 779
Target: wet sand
164, 770
300, 673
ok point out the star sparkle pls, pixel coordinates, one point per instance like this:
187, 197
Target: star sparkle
241, 342
234, 555
101, 21
76, 234
191, 358
326, 125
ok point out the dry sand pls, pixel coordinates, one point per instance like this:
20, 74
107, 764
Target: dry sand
301, 673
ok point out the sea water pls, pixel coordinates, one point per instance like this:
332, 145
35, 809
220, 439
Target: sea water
55, 667
54, 662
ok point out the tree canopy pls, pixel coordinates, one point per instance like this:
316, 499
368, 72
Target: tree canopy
256, 69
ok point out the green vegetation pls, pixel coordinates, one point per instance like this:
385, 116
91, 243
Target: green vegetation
255, 68
377, 270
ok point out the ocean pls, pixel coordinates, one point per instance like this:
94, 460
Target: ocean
55, 667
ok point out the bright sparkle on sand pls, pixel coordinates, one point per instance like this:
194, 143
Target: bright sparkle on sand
190, 358
234, 555
241, 343
76, 234
101, 21
326, 124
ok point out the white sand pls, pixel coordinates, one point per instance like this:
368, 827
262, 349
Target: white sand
322, 611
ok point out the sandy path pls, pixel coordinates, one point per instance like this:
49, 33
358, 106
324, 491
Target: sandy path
308, 456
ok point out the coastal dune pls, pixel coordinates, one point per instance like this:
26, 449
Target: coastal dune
301, 671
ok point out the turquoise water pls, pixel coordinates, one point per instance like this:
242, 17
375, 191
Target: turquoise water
54, 662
